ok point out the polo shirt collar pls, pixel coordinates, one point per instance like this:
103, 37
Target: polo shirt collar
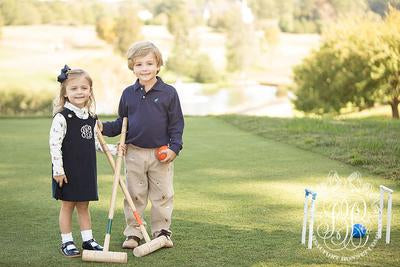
157, 86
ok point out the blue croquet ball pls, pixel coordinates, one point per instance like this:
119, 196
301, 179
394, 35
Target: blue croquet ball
359, 230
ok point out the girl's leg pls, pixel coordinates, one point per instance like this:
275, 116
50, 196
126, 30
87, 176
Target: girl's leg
68, 247
84, 215
85, 224
65, 218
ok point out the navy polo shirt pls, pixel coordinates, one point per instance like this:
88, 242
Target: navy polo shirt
154, 118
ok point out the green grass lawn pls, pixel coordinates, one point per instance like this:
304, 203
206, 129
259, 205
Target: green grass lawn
238, 201
370, 143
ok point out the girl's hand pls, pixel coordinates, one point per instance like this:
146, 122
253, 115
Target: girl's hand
60, 179
123, 147
170, 155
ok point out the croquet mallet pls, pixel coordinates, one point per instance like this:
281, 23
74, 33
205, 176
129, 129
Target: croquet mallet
150, 245
105, 255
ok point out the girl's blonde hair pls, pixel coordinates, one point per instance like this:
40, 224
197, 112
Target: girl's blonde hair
141, 49
59, 102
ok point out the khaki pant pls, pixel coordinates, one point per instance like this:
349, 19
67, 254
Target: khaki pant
147, 178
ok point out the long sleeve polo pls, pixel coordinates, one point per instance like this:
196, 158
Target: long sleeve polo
154, 118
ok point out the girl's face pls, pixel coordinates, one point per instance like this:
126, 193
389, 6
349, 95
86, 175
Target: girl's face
145, 68
78, 91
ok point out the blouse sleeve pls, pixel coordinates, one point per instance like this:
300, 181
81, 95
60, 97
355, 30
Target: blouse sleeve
57, 133
113, 148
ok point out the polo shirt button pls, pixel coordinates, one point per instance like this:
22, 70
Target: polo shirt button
143, 97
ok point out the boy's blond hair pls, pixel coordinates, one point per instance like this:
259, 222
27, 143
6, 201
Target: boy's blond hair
141, 49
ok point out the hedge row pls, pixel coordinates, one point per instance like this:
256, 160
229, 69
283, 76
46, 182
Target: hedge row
19, 102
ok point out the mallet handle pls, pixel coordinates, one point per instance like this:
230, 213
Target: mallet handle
123, 186
104, 146
115, 184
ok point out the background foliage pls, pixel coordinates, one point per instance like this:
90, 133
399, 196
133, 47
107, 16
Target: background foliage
357, 65
373, 66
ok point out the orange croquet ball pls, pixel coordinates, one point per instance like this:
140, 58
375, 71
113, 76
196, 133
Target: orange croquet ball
161, 155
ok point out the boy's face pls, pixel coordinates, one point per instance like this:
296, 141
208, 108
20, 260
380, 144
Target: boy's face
145, 68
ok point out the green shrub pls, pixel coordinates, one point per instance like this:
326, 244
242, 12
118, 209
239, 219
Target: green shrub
305, 26
271, 34
19, 102
198, 67
204, 71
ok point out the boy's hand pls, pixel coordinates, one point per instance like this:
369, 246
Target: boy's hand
60, 179
100, 125
170, 155
123, 147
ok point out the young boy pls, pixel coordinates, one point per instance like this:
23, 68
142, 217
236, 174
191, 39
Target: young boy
155, 119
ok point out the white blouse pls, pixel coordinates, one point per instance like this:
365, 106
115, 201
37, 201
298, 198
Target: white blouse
57, 133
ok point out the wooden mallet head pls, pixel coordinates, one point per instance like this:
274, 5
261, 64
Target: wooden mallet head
149, 247
104, 256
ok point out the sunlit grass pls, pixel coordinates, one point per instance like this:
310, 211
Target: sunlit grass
238, 201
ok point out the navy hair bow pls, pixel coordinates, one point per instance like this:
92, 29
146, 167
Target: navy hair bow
63, 75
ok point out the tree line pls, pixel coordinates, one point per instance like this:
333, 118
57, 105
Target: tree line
356, 66
309, 16
27, 12
292, 15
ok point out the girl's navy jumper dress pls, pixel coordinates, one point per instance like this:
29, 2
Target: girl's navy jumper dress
79, 160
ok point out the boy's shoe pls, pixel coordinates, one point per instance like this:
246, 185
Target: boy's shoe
69, 250
131, 242
167, 234
91, 245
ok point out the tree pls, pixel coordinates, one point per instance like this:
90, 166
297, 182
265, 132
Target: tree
386, 62
127, 28
381, 6
8, 10
105, 28
19, 12
241, 41
1, 26
264, 9
358, 64
46, 13
185, 58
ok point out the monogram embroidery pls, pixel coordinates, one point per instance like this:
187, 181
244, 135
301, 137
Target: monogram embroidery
86, 131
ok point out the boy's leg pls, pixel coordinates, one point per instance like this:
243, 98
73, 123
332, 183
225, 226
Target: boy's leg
161, 194
137, 184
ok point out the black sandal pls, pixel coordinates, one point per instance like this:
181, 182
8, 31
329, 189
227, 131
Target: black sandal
91, 245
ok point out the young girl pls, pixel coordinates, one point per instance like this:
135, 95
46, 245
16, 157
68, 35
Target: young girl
73, 156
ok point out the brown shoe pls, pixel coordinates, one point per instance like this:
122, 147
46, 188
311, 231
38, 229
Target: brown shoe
131, 242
